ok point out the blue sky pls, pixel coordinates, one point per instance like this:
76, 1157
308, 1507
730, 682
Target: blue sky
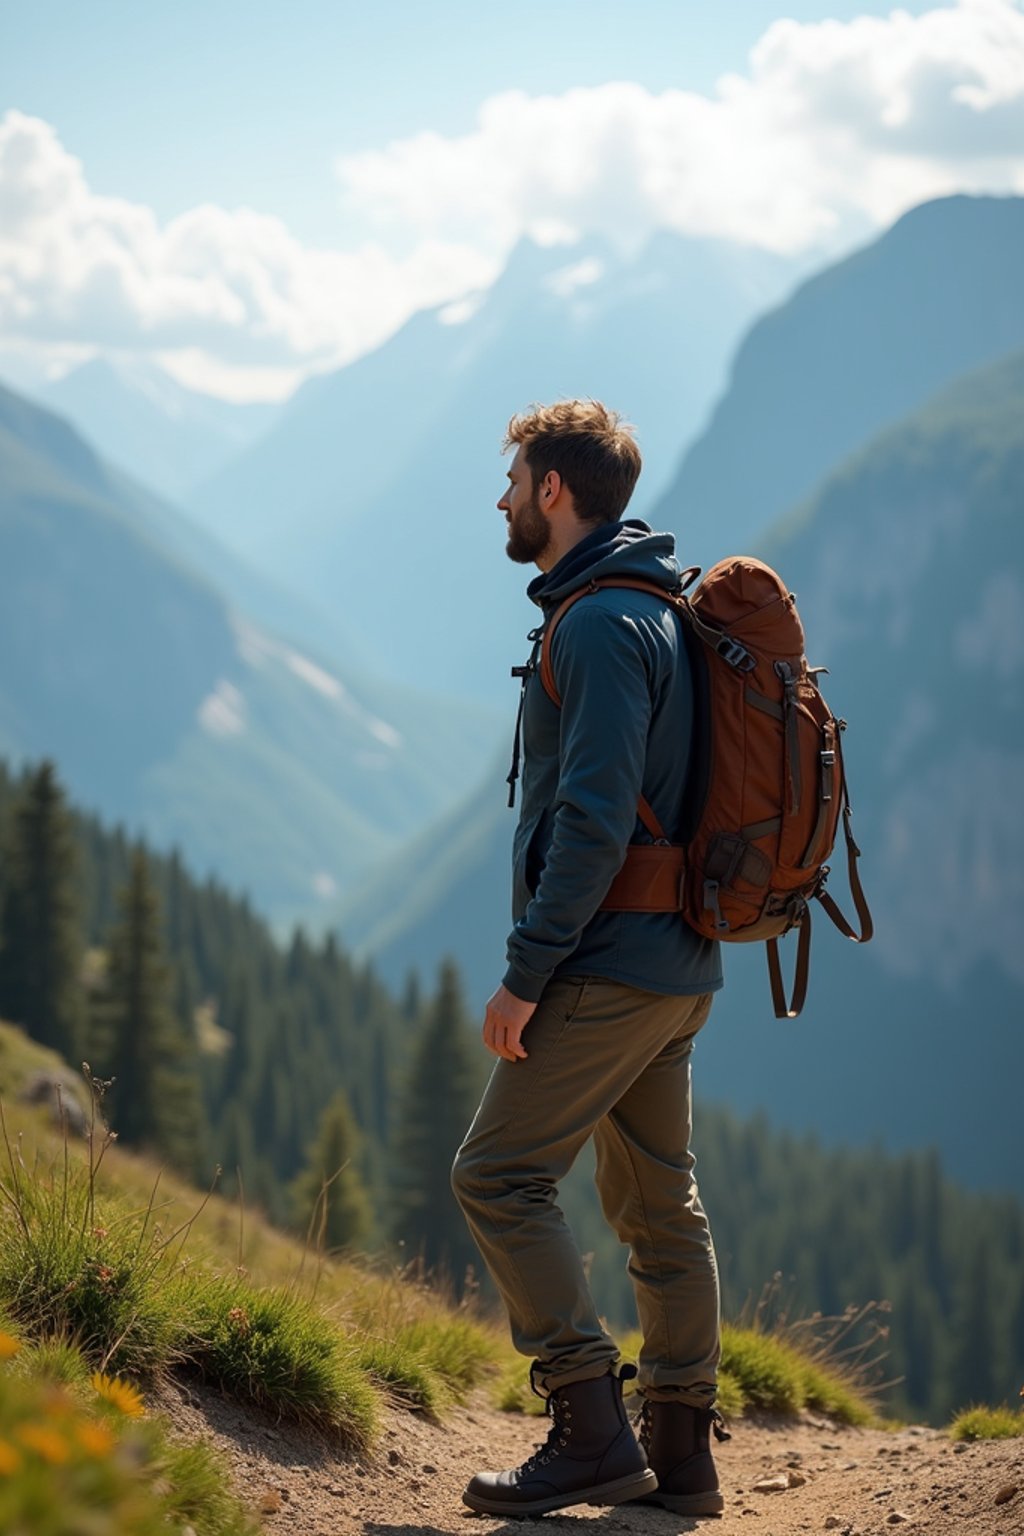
247, 193
232, 102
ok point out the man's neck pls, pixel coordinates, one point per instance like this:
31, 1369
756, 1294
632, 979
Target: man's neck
562, 541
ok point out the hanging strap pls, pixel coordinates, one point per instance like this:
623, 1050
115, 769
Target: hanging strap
524, 674
860, 902
790, 1010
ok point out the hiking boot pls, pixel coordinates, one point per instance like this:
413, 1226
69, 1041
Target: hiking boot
591, 1456
676, 1440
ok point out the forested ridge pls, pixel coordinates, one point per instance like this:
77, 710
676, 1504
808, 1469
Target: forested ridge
287, 1061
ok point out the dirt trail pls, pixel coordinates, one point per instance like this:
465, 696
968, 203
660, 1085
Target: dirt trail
853, 1482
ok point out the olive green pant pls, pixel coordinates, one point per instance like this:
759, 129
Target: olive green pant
612, 1062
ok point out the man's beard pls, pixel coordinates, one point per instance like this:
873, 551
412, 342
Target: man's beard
529, 533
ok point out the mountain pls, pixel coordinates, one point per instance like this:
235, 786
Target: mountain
169, 708
909, 564
855, 348
391, 467
167, 436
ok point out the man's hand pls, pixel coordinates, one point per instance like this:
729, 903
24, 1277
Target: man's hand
506, 1018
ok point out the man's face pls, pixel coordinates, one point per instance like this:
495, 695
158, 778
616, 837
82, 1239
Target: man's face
529, 531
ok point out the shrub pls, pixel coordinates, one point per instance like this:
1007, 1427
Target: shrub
980, 1423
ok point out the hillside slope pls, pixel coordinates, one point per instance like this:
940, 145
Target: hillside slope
139, 417
857, 347
170, 709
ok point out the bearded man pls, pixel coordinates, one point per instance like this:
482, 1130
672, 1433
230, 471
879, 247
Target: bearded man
595, 1019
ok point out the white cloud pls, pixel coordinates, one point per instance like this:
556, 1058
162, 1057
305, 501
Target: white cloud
83, 269
835, 129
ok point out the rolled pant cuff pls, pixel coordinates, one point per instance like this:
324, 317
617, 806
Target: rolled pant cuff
696, 1397
546, 1379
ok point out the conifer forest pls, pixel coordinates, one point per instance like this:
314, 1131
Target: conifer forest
337, 1108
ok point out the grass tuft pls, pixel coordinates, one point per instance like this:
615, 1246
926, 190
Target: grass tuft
274, 1349
403, 1374
68, 1273
459, 1350
980, 1423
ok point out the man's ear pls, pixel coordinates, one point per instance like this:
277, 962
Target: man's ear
552, 486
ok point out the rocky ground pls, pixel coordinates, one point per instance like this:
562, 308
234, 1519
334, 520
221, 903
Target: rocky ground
778, 1479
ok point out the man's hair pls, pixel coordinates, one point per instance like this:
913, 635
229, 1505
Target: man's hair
592, 449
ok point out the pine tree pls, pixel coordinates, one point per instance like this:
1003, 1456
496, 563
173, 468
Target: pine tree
40, 932
438, 1104
329, 1196
973, 1357
155, 1101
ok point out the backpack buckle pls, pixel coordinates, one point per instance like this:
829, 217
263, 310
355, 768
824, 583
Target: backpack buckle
735, 655
711, 905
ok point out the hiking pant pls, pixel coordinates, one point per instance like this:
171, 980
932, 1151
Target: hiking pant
608, 1061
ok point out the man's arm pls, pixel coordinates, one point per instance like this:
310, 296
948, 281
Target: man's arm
602, 676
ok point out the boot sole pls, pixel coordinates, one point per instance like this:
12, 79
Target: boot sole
712, 1503
621, 1491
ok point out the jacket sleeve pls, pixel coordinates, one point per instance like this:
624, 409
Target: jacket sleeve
601, 670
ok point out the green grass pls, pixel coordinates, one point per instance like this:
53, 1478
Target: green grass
98, 1277
981, 1423
275, 1349
106, 1266
72, 1460
403, 1374
773, 1375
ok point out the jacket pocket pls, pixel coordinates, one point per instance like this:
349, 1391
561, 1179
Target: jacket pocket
527, 862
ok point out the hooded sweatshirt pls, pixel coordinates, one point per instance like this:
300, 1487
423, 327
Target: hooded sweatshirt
624, 729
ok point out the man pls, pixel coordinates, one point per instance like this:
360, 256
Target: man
595, 1019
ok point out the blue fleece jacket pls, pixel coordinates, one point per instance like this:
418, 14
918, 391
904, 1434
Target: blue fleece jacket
624, 728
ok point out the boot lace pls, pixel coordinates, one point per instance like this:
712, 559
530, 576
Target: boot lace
558, 1435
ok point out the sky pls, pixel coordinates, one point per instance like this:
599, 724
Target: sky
247, 193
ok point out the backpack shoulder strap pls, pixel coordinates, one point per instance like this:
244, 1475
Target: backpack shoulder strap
547, 671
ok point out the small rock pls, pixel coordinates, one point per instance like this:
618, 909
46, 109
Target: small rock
394, 1459
777, 1484
959, 1449
336, 1490
270, 1501
285, 1493
429, 1469
795, 1479
827, 1445
1007, 1492
896, 1517
881, 1493
832, 1522
415, 1486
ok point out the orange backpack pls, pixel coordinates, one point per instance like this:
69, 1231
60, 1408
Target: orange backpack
766, 783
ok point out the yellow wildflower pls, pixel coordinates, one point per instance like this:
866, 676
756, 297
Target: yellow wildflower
9, 1345
46, 1441
119, 1394
10, 1458
95, 1439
